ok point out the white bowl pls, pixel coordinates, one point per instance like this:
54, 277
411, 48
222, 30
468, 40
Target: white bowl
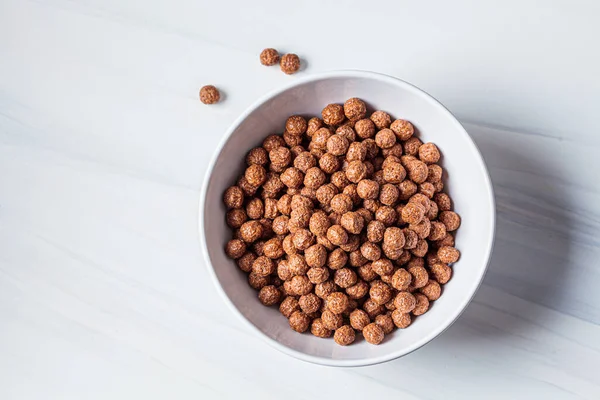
467, 182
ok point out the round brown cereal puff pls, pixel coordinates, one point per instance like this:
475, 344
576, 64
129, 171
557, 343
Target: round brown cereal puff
413, 213
401, 279
356, 171
337, 235
422, 304
448, 254
269, 57
255, 208
347, 132
443, 201
330, 320
326, 192
256, 281
304, 161
344, 335
450, 219
422, 229
273, 248
352, 222
318, 275
319, 223
255, 174
320, 139
373, 333
257, 155
314, 178
403, 129
339, 179
370, 251
367, 189
432, 290
420, 277
329, 163
300, 202
296, 125
318, 329
272, 141
297, 264
337, 302
257, 247
416, 262
236, 217
394, 237
209, 94
427, 189
411, 146
288, 306
303, 239
372, 148
385, 138
434, 173
269, 295
341, 203
270, 209
366, 272
333, 114
438, 231
356, 259
405, 302
441, 272
365, 128
401, 320
280, 225
380, 292
421, 248
350, 190
385, 322
432, 213
394, 173
375, 231
446, 241
300, 285
251, 231
372, 308
338, 145
309, 303
283, 270
417, 171
289, 64
383, 266
387, 215
404, 258
233, 197
324, 289
381, 119
315, 255
355, 109
345, 278
388, 194
325, 242
263, 266
358, 290
429, 153
359, 319
284, 204
391, 251
352, 244
235, 248
314, 124
292, 177
245, 261
299, 321
357, 151
407, 189
395, 151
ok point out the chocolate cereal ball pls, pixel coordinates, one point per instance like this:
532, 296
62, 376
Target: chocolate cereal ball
367, 189
359, 319
381, 119
299, 321
209, 94
319, 223
385, 322
341, 203
292, 177
373, 333
383, 266
257, 282
257, 155
441, 272
345, 278
337, 145
324, 289
365, 128
420, 277
255, 208
288, 306
394, 173
272, 141
303, 239
245, 261
314, 124
450, 219
315, 255
296, 125
318, 329
350, 190
387, 215
353, 243
405, 302
400, 319
269, 57
263, 266
330, 320
251, 231
352, 222
233, 197
333, 114
300, 285
269, 295
403, 129
370, 251
375, 231
236, 217
448, 254
337, 302
314, 178
401, 279
388, 194
255, 174
358, 290
329, 163
413, 213
347, 132
280, 225
417, 171
380, 292
357, 151
337, 235
385, 138
443, 201
280, 156
432, 290
309, 303
273, 248
356, 171
318, 275
344, 335
406, 189
355, 109
289, 63
337, 259
235, 248
422, 304
429, 153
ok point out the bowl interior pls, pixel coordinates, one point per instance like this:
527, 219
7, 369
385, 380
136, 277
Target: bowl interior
466, 181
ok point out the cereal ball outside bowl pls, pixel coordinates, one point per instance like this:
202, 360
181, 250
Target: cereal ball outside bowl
465, 180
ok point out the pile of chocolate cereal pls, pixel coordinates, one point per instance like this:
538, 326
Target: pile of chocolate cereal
342, 222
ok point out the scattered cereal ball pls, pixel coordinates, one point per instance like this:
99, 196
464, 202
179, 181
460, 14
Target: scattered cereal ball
344, 335
381, 119
299, 219
352, 222
385, 322
448, 240
309, 303
372, 148
296, 125
233, 197
339, 179
394, 172
333, 114
300, 285
263, 266
434, 173
372, 308
273, 248
432, 213
405, 302
413, 213
269, 57
292, 177
450, 219
209, 94
355, 109
280, 156
420, 277
438, 231
318, 275
407, 189
256, 281
318, 329
396, 151
385, 138
314, 124
422, 304
290, 63
315, 255
432, 290
299, 321
337, 259
329, 163
235, 248
387, 215
410, 238
441, 272
257, 155
341, 203
314, 178
305, 161
427, 189
319, 223
271, 209
269, 295
345, 278
337, 145
357, 151
359, 319
325, 193
373, 333
382, 266
284, 204
404, 258
247, 188
443, 201
297, 264
236, 217
358, 290
403, 129
401, 320
245, 261
350, 190
347, 132
337, 302
337, 235
291, 140
429, 153
255, 208
417, 171
370, 251
367, 189
401, 279
356, 171
258, 246
288, 306
448, 254
380, 292
300, 202
375, 231
388, 194
288, 245
416, 262
365, 128
422, 229
366, 272
303, 239
251, 231
330, 320
421, 248
320, 139
392, 252
324, 289
352, 244
255, 174
280, 225
272, 141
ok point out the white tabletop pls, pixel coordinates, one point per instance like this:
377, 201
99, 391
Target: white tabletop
103, 144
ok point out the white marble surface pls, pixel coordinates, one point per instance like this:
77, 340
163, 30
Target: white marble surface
103, 145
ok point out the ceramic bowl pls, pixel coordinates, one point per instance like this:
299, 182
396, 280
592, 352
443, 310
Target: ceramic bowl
466, 180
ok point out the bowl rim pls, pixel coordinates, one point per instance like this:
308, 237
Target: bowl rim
489, 239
